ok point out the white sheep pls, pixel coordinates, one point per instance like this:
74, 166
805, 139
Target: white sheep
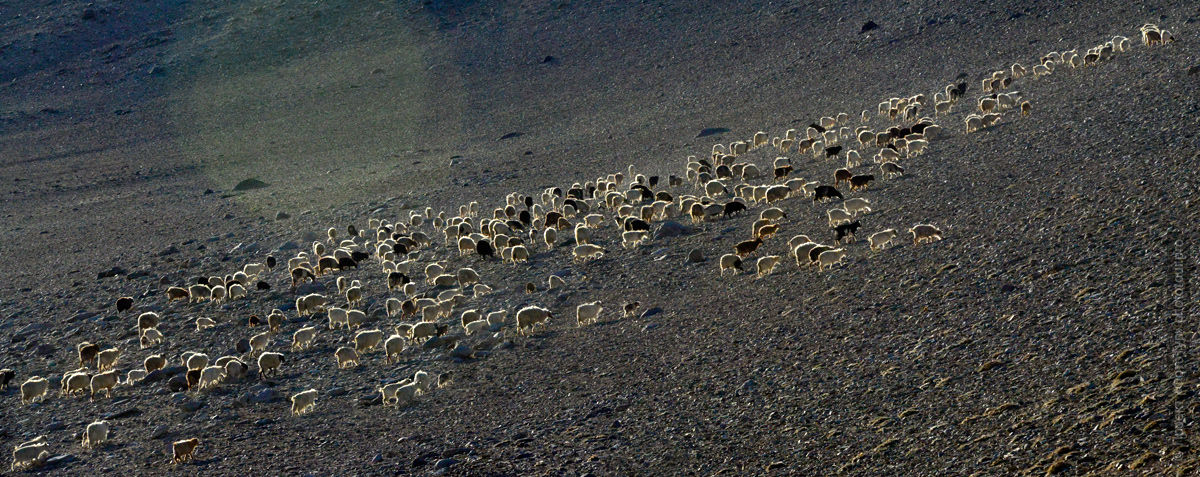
466, 245
346, 357
193, 361
198, 293
496, 318
106, 359
367, 340
587, 252
392, 347
304, 401
203, 323
917, 147
147, 320
467, 277
777, 193
424, 330
151, 337
104, 381
393, 306
154, 363
587, 313
95, 434
520, 253
259, 342
532, 316
218, 294
829, 258
432, 271
766, 264
237, 291
75, 382
839, 216
30, 455
633, 238
925, 233
354, 295
975, 122
134, 376
211, 377
337, 317
235, 370
857, 204
401, 393
269, 363
881, 239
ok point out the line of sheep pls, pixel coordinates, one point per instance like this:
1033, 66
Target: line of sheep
725, 185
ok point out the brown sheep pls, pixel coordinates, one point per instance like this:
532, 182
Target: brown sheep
183, 451
87, 354
860, 182
177, 293
747, 247
842, 175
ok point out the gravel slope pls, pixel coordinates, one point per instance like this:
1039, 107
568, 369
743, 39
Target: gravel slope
1056, 322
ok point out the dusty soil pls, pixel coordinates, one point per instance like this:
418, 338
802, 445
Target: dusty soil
1055, 327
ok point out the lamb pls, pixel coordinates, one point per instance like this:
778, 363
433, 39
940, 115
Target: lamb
975, 122
856, 205
634, 238
469, 316
184, 450
195, 361
829, 258
104, 381
346, 357
766, 264
354, 295
532, 316
925, 233
106, 359
210, 377
587, 252
259, 342
269, 363
846, 230
87, 353
1025, 108
891, 169
177, 293
826, 192
766, 231
151, 337
203, 323
367, 340
154, 363
392, 347
337, 317
95, 434
587, 313
304, 401
839, 216
6, 376
730, 261
30, 455
275, 320
400, 393
880, 240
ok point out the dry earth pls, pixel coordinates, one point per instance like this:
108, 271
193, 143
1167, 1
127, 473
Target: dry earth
1055, 328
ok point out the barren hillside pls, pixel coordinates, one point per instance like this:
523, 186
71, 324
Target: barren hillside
1053, 329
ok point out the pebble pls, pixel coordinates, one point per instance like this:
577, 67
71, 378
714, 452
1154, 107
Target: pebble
336, 392
160, 432
445, 463
651, 312
281, 215
264, 396
696, 256
289, 245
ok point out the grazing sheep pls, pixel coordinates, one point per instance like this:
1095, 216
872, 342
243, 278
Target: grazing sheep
154, 362
881, 239
766, 231
184, 450
338, 317
975, 122
75, 382
1025, 108
203, 323
177, 293
195, 361
6, 377
856, 205
259, 342
301, 274
747, 247
104, 381
30, 455
730, 261
842, 175
925, 233
550, 237
346, 357
211, 377
891, 169
426, 330
766, 264
777, 193
839, 216
532, 316
367, 340
826, 192
275, 320
151, 337
87, 354
587, 313
95, 434
392, 347
303, 337
632, 239
134, 376
846, 230
401, 393
354, 295
304, 401
587, 252
217, 294
269, 363
829, 258
235, 369
106, 359
198, 293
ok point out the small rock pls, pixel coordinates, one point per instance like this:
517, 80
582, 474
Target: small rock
160, 432
171, 250
336, 392
133, 411
1193, 70
749, 385
1007, 287
310, 287
671, 228
458, 451
868, 26
267, 395
55, 426
651, 312
445, 463
165, 373
45, 350
372, 399
112, 272
61, 459
377, 459
249, 184
462, 351
650, 326
183, 402
262, 422
696, 256
281, 215
289, 245
242, 346
83, 315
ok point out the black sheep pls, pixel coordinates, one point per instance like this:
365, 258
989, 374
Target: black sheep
396, 280
861, 181
832, 151
734, 207
124, 303
485, 249
846, 230
826, 192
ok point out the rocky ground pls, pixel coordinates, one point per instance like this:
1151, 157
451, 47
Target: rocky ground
1054, 329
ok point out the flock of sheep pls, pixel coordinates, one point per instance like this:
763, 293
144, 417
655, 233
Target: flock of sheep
412, 254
